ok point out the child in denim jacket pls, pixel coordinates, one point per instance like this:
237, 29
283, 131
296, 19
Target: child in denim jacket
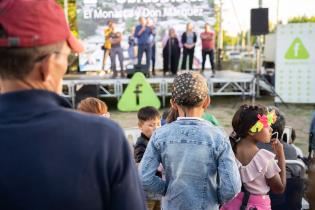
199, 164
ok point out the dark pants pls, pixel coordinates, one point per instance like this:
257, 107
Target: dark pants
170, 61
153, 58
148, 53
204, 58
190, 53
119, 52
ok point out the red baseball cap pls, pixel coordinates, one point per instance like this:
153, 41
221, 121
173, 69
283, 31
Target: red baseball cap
31, 23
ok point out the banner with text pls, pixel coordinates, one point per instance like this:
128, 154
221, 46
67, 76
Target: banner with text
295, 63
93, 15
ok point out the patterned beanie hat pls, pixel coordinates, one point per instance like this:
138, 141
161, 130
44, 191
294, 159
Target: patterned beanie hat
189, 89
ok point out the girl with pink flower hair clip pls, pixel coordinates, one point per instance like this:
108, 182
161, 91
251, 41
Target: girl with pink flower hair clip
259, 171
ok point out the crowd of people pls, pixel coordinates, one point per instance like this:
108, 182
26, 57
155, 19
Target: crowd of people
142, 40
54, 157
258, 142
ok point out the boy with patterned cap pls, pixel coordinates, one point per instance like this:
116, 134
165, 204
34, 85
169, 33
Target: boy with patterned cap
52, 157
199, 164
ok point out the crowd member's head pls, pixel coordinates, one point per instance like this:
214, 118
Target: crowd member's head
190, 94
189, 27
110, 23
142, 21
279, 125
252, 122
207, 27
34, 57
172, 32
149, 119
149, 22
94, 105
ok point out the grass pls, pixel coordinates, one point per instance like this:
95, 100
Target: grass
223, 108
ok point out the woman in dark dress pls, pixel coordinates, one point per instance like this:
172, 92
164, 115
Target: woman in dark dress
171, 53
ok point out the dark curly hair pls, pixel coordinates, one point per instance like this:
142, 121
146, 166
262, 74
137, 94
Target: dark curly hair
244, 118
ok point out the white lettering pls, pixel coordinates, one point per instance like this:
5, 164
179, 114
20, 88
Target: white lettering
87, 14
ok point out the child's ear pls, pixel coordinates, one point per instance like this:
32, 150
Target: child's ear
206, 102
140, 125
173, 104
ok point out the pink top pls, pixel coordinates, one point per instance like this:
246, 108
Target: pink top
254, 174
207, 43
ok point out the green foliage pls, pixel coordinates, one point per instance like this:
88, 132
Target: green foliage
302, 19
72, 15
217, 22
229, 40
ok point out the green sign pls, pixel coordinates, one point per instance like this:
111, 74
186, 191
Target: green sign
297, 50
138, 94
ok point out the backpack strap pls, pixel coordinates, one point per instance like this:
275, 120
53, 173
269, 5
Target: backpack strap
245, 198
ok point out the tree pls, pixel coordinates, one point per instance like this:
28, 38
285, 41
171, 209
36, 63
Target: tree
302, 19
72, 15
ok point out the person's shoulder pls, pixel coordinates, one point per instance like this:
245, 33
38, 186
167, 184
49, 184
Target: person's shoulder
88, 122
140, 141
164, 131
289, 151
212, 129
265, 154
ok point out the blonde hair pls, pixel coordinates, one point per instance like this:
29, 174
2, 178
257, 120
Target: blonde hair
92, 105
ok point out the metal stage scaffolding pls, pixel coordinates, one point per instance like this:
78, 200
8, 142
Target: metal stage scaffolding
224, 83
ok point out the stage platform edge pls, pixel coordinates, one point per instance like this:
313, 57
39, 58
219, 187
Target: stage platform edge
224, 83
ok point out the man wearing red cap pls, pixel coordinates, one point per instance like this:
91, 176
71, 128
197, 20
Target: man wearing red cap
52, 157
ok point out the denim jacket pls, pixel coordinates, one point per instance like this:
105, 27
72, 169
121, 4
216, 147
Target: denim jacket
200, 167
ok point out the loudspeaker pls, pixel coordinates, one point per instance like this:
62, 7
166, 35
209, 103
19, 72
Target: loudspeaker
138, 68
259, 21
86, 91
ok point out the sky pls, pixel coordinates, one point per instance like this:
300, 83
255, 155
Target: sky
237, 18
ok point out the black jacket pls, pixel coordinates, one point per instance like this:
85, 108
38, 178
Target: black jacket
184, 38
140, 147
53, 157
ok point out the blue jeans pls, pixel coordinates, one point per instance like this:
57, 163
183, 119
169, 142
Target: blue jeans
148, 54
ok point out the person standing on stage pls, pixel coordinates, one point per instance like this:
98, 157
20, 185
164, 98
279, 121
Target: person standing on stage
142, 33
207, 42
107, 43
189, 39
171, 52
116, 49
152, 43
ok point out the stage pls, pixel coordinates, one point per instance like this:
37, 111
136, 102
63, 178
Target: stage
225, 82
